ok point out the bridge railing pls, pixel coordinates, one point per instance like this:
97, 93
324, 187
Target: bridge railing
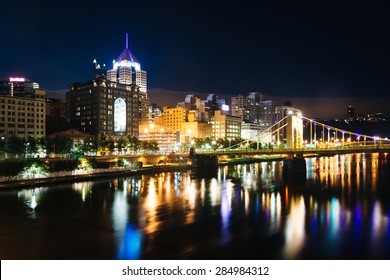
306, 150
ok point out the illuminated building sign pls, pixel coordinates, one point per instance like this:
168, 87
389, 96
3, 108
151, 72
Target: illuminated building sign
17, 79
225, 108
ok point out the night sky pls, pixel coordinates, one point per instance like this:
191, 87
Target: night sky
313, 54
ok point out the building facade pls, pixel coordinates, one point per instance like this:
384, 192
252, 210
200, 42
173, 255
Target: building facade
245, 108
103, 107
193, 129
23, 116
266, 114
166, 140
224, 126
172, 118
18, 86
55, 115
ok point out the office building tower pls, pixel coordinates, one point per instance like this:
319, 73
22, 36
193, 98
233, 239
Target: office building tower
127, 70
99, 71
245, 108
18, 86
266, 114
103, 107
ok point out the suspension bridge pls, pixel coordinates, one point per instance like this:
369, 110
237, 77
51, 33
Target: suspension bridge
287, 137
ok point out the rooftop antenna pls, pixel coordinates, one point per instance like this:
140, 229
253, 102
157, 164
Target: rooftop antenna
127, 42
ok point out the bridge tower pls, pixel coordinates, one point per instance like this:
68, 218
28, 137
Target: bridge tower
295, 163
294, 132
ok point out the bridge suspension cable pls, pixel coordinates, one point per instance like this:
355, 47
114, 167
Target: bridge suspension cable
342, 131
262, 134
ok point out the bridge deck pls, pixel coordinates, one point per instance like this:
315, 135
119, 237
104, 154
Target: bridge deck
302, 151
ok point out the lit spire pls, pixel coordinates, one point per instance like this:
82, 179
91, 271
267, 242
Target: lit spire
127, 40
126, 54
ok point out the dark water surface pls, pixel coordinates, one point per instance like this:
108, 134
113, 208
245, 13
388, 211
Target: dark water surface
339, 210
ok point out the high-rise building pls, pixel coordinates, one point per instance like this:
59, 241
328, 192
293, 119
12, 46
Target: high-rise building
253, 109
114, 102
103, 107
154, 111
22, 109
18, 86
127, 70
245, 108
350, 113
266, 112
99, 71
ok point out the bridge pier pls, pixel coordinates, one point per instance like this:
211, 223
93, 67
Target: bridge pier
294, 164
202, 160
204, 166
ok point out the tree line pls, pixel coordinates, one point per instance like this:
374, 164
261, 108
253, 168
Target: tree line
63, 145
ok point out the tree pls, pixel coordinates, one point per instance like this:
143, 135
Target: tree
31, 145
154, 146
222, 142
63, 165
59, 145
104, 144
90, 145
121, 144
134, 144
198, 143
15, 145
111, 144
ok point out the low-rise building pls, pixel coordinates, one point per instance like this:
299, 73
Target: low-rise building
167, 140
224, 126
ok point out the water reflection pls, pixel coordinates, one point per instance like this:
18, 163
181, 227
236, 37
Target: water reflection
341, 210
295, 228
31, 198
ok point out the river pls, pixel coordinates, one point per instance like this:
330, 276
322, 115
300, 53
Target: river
339, 210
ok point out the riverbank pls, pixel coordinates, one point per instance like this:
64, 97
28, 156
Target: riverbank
28, 183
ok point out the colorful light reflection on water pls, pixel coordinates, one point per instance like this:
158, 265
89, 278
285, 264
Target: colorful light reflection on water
340, 210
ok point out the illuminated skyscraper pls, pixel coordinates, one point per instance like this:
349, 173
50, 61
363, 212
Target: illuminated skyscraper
127, 70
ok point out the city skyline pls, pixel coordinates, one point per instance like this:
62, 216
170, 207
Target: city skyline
308, 53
